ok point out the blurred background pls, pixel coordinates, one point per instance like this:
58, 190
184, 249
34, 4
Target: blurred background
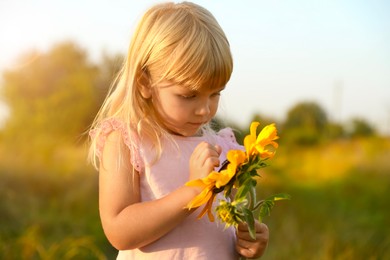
320, 70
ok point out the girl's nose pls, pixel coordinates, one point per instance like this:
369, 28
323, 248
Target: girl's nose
203, 108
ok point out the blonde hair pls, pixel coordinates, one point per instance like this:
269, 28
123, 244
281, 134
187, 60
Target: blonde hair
181, 43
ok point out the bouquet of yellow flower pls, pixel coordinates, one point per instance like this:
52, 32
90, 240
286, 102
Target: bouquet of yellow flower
237, 180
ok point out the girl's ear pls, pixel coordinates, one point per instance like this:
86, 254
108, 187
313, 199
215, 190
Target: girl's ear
144, 85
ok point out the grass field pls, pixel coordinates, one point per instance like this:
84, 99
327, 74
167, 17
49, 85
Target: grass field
339, 207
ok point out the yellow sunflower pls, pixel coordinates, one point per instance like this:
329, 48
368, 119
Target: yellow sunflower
259, 144
210, 184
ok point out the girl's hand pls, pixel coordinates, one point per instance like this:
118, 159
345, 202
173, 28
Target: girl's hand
248, 247
204, 159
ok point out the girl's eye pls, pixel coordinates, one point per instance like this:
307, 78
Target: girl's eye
217, 94
187, 96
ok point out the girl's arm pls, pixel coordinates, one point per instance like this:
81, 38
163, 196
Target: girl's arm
127, 222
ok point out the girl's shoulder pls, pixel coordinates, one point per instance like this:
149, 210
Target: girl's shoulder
130, 138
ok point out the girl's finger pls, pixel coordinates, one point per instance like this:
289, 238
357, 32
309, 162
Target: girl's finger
245, 251
261, 231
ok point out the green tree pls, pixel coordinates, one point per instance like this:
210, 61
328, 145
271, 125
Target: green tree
361, 128
306, 124
52, 100
335, 131
52, 95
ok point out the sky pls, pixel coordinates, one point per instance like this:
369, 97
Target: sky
335, 53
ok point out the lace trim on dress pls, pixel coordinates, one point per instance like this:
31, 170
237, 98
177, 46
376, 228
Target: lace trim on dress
130, 140
227, 134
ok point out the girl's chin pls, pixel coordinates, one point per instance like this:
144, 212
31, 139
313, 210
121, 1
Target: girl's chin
187, 132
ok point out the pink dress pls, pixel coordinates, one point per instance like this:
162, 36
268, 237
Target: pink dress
193, 238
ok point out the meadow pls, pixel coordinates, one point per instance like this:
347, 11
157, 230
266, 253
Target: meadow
339, 207
338, 179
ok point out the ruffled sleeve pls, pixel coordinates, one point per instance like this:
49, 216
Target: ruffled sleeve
130, 140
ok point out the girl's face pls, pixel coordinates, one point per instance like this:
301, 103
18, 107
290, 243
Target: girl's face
184, 111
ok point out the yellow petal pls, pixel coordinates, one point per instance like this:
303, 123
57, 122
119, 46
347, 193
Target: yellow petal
274, 144
250, 140
253, 128
200, 199
265, 138
236, 157
210, 213
266, 154
248, 144
198, 183
267, 134
224, 178
208, 208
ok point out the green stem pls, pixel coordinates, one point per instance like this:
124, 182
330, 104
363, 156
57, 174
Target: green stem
252, 195
254, 198
260, 219
258, 205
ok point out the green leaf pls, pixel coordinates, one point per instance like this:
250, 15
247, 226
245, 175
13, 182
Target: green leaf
265, 208
244, 189
250, 220
241, 192
228, 191
254, 183
269, 203
242, 178
280, 196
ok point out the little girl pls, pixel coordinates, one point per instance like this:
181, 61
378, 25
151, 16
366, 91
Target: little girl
151, 136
